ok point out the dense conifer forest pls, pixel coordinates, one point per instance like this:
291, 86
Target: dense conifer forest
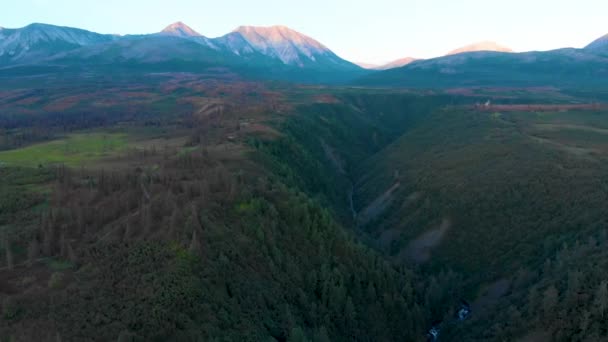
180, 207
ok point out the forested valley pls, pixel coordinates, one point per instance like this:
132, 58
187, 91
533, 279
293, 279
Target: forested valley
186, 208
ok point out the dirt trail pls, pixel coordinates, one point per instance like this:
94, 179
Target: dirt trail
333, 157
419, 250
378, 205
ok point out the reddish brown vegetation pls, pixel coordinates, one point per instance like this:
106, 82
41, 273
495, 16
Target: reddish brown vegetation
538, 107
326, 98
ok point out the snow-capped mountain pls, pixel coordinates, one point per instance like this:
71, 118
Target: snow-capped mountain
37, 41
480, 46
289, 46
180, 29
235, 43
40, 41
275, 52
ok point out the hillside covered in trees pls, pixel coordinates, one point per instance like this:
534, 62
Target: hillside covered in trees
182, 207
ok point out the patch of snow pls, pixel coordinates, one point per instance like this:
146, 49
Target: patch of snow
180, 29
20, 42
283, 43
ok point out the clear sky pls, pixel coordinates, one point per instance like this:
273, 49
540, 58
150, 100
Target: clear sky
359, 30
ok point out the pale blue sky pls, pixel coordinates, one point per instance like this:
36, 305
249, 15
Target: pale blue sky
358, 30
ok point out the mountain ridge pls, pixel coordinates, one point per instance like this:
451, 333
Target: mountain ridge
283, 52
562, 67
181, 30
38, 40
288, 45
600, 44
279, 52
397, 63
480, 46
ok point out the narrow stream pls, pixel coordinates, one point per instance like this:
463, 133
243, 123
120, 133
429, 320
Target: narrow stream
351, 202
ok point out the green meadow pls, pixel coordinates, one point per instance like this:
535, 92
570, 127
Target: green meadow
73, 150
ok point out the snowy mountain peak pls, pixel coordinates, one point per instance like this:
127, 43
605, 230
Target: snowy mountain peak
290, 46
41, 40
248, 45
278, 34
180, 29
481, 46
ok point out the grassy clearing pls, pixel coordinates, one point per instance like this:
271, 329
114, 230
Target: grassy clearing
579, 132
74, 150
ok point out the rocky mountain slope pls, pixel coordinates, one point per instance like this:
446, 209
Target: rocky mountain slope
272, 52
38, 41
180, 29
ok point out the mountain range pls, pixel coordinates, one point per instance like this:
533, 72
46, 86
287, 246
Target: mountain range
390, 65
481, 46
36, 42
280, 53
489, 64
266, 52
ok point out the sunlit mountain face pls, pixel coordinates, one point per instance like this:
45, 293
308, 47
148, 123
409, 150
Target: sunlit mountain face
481, 46
275, 52
181, 30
